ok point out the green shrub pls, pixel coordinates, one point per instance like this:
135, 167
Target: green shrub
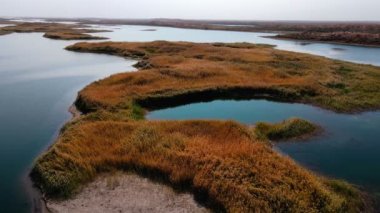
288, 129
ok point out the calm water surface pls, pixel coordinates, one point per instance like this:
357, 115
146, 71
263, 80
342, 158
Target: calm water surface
39, 81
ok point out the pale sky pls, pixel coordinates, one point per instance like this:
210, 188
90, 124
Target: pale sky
197, 9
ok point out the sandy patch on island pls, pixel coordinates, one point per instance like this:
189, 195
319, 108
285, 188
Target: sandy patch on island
126, 193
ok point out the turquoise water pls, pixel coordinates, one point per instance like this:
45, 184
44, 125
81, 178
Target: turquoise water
348, 148
39, 81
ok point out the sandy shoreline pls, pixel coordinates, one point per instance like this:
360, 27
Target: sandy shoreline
124, 192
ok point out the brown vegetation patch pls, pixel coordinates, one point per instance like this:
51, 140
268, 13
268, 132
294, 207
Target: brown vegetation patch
180, 68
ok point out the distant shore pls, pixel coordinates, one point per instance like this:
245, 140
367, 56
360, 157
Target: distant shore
365, 39
324, 42
347, 33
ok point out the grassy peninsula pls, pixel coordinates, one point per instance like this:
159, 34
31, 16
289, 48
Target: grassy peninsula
222, 162
179, 72
54, 30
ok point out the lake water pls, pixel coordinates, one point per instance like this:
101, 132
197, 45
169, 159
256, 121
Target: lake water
39, 80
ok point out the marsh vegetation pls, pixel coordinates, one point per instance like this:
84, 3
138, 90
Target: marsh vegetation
223, 163
220, 162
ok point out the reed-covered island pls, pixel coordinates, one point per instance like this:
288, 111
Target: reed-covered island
226, 165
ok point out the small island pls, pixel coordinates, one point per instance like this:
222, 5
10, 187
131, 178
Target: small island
173, 73
72, 36
293, 128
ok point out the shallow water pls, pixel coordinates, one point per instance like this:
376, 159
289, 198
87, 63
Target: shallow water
348, 148
39, 81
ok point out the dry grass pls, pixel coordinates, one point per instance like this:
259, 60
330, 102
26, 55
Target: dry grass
220, 162
179, 69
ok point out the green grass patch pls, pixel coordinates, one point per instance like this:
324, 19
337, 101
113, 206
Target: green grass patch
343, 70
287, 129
354, 201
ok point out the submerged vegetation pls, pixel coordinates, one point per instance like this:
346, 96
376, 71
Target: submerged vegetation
223, 163
288, 129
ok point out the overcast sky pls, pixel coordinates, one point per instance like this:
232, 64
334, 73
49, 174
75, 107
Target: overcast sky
197, 9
